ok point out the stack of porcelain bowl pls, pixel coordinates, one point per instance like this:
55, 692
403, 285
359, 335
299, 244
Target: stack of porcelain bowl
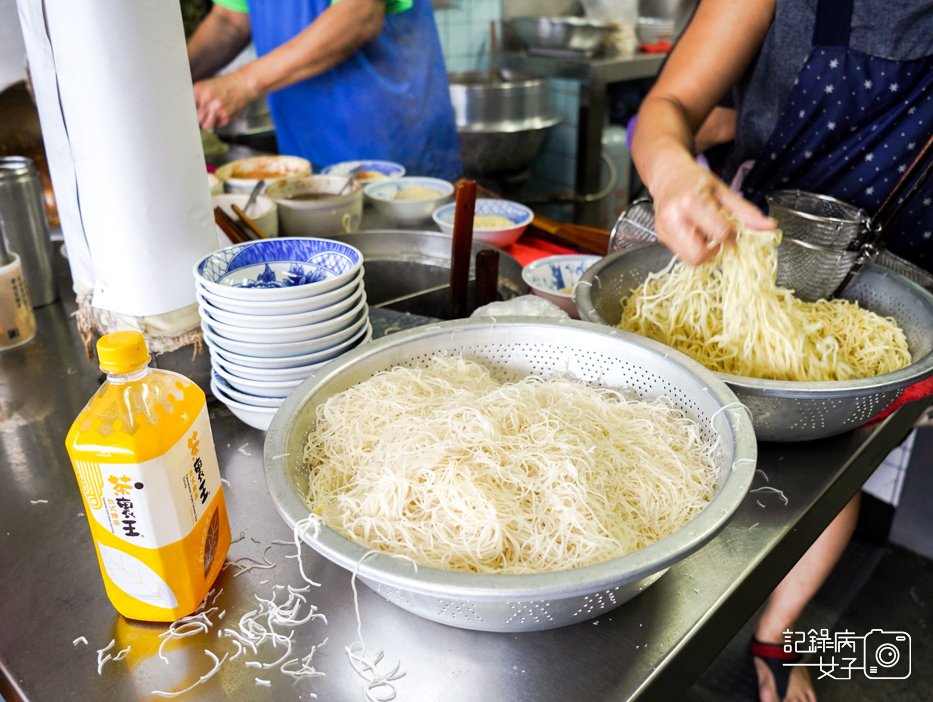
275, 310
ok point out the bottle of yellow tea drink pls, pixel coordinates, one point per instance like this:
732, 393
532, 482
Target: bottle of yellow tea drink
144, 458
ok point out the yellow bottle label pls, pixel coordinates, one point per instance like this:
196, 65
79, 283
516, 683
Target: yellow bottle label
159, 525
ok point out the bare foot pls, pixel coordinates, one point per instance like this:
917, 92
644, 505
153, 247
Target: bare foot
799, 687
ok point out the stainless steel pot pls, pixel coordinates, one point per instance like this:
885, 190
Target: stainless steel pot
562, 33
501, 123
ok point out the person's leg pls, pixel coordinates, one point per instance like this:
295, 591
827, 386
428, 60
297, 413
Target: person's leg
791, 596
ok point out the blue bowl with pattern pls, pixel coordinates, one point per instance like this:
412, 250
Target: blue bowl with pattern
366, 171
495, 222
278, 269
555, 277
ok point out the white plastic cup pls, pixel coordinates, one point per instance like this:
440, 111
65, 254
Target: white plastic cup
17, 320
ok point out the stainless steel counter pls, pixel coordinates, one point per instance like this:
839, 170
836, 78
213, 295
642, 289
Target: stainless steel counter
651, 648
593, 75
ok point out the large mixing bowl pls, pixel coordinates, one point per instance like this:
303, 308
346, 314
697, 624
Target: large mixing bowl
784, 410
581, 34
512, 348
501, 123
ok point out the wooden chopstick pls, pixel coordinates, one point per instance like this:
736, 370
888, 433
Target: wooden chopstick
248, 221
229, 227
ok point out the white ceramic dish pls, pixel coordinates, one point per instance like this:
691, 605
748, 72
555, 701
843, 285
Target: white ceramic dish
245, 398
271, 375
519, 216
278, 269
256, 417
215, 184
259, 308
262, 388
283, 335
269, 350
383, 195
366, 171
266, 321
241, 176
264, 212
317, 205
555, 277
291, 362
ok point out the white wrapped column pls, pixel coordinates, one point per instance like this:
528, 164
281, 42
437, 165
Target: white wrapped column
115, 101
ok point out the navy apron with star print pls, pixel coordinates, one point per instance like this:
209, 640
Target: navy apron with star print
851, 126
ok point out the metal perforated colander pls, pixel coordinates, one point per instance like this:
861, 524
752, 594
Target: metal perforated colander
513, 348
788, 410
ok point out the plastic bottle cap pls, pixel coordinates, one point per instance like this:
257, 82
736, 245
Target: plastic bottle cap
122, 352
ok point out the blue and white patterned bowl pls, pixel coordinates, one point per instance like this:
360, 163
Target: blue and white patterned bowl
278, 269
519, 216
555, 277
367, 170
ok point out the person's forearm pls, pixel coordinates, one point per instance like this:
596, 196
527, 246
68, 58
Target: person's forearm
218, 39
663, 138
337, 34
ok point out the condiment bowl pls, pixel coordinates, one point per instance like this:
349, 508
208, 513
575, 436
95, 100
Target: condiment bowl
555, 277
241, 176
410, 199
318, 205
517, 215
278, 269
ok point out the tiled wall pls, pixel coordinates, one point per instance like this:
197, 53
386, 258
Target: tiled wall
464, 32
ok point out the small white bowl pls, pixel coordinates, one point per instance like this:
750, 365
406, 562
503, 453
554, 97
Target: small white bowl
291, 362
278, 269
296, 348
241, 176
274, 375
258, 308
245, 398
256, 417
318, 205
285, 335
264, 212
272, 321
519, 216
278, 389
366, 171
385, 194
555, 277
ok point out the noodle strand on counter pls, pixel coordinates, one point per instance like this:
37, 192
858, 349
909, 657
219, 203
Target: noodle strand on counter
730, 315
457, 471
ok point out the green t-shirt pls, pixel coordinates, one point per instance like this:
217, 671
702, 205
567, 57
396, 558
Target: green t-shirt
392, 6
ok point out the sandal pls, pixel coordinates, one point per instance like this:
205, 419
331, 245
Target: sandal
775, 657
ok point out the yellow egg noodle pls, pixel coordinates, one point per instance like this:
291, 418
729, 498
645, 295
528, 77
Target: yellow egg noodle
491, 222
455, 470
730, 315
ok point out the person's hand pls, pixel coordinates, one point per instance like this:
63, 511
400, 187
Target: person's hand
692, 211
219, 100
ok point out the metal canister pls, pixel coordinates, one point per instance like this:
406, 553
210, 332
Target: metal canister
23, 224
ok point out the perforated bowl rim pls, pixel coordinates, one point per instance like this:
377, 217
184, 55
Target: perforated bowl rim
395, 572
916, 371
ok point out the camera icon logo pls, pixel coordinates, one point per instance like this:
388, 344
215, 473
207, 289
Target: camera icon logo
887, 655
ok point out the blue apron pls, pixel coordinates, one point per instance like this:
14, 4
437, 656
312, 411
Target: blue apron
388, 101
851, 126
